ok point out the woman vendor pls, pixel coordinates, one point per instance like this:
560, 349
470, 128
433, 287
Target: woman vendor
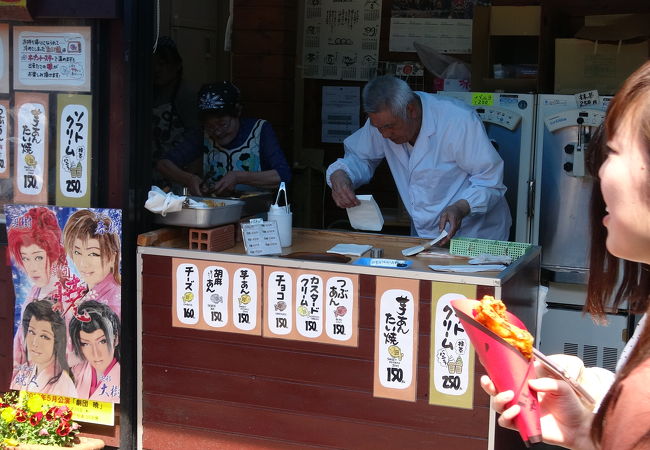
234, 152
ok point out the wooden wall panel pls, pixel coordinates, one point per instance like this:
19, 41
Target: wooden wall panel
263, 57
227, 385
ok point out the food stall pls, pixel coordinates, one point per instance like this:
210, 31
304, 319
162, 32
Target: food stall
230, 346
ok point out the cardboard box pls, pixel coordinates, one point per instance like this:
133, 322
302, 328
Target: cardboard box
515, 20
582, 65
610, 48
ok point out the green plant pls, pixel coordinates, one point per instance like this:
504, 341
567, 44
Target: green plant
26, 419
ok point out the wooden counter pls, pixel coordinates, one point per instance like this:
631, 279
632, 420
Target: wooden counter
211, 389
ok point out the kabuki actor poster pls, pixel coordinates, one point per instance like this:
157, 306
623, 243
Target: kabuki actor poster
52, 58
66, 276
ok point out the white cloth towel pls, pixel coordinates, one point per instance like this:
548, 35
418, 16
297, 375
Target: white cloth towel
161, 202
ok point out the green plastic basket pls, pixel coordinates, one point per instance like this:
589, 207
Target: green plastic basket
462, 246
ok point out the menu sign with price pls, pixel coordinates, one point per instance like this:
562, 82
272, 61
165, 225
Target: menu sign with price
311, 306
396, 338
217, 296
451, 355
261, 238
73, 150
482, 99
30, 180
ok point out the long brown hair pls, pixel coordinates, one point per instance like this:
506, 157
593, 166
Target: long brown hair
633, 97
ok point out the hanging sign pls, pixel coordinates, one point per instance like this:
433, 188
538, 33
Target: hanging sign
210, 295
52, 58
396, 340
31, 137
5, 169
73, 150
311, 306
451, 364
4, 57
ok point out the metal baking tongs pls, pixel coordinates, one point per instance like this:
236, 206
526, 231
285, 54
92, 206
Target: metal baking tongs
275, 206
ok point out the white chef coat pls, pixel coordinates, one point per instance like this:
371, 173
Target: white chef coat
452, 159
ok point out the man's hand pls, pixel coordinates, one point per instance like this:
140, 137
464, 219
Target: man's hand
453, 214
342, 191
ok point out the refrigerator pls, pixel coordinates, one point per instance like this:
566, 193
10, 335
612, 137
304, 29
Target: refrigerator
563, 132
509, 121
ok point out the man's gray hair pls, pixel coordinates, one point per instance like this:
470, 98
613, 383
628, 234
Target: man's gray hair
388, 92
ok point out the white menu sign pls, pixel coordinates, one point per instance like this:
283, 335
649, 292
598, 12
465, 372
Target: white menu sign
451, 345
245, 300
187, 293
339, 308
396, 350
214, 296
30, 160
74, 144
279, 296
309, 305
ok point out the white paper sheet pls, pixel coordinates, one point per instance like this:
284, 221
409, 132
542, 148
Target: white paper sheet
350, 249
367, 215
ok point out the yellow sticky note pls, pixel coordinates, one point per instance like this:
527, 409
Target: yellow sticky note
482, 99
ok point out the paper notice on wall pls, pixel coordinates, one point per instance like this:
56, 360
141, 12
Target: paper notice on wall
443, 35
443, 25
73, 150
4, 58
31, 144
340, 112
341, 39
396, 338
52, 58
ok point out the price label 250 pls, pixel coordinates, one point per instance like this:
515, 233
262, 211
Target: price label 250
482, 99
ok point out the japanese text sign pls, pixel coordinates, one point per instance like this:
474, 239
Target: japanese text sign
396, 338
451, 365
5, 169
31, 144
73, 150
52, 58
311, 306
217, 296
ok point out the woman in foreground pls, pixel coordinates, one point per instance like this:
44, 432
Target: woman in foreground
622, 421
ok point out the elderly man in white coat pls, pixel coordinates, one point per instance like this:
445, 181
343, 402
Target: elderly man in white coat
445, 168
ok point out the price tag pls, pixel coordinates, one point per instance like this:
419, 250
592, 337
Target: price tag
482, 99
587, 98
261, 238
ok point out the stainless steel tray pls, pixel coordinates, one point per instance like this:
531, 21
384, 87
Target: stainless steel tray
230, 212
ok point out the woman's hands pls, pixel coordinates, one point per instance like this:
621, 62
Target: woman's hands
564, 419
